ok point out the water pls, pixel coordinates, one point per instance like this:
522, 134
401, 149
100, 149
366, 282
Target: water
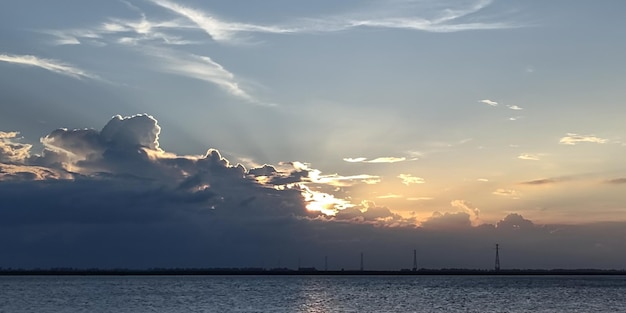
313, 294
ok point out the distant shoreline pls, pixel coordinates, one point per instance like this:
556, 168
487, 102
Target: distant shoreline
307, 272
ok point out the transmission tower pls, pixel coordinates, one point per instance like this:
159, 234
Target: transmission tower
497, 268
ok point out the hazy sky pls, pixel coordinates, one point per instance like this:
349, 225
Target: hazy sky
358, 125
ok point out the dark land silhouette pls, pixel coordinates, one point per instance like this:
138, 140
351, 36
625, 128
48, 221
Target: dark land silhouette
301, 271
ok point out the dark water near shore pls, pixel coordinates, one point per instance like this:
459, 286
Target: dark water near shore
222, 294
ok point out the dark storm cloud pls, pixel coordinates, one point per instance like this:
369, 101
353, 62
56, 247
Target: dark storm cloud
114, 198
458, 220
514, 221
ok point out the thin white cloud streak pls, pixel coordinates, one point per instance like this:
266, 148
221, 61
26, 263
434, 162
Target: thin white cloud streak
507, 193
419, 198
529, 157
337, 180
573, 139
489, 102
389, 196
145, 30
425, 25
201, 68
515, 107
224, 31
73, 36
376, 160
51, 65
218, 30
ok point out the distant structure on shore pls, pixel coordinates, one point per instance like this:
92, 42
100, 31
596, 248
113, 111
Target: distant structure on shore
361, 261
497, 266
414, 260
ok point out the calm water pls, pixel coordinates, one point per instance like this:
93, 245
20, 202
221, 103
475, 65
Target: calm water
312, 294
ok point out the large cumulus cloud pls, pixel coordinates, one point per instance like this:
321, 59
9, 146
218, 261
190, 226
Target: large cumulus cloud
114, 198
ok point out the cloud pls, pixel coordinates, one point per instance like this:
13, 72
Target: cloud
489, 102
368, 212
389, 196
443, 20
376, 160
409, 179
8, 135
157, 40
467, 207
112, 197
616, 181
514, 221
507, 193
218, 30
547, 181
419, 198
51, 65
202, 68
514, 107
529, 157
12, 151
303, 173
574, 139
448, 221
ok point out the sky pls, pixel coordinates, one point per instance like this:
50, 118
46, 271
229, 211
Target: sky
162, 133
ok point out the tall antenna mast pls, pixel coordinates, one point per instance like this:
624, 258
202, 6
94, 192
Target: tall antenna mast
361, 261
497, 267
326, 263
414, 260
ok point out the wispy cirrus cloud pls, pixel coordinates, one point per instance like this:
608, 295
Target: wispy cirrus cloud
410, 15
51, 65
443, 19
218, 29
202, 68
574, 139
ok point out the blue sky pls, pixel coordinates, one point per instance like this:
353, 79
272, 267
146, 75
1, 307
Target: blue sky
412, 110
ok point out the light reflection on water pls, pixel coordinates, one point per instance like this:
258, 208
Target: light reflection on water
313, 294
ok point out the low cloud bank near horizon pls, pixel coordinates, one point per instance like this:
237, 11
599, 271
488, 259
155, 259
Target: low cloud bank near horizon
114, 198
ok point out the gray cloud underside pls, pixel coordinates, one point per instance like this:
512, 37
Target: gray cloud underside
113, 198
